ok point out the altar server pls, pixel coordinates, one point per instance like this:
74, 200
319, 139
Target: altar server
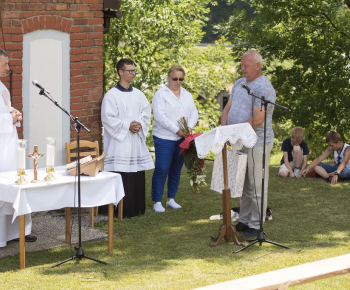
9, 119
126, 116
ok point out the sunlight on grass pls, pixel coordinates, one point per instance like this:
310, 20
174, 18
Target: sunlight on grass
307, 189
275, 159
334, 235
175, 229
201, 221
172, 250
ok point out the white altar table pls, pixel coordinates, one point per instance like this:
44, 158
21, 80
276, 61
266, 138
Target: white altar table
18, 200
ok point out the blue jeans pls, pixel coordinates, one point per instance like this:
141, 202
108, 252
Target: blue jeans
345, 174
169, 163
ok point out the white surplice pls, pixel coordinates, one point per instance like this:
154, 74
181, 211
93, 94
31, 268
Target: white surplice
127, 152
8, 162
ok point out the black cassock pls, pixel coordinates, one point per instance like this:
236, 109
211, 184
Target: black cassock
134, 201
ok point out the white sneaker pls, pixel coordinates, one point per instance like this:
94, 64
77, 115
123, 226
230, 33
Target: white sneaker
171, 202
158, 207
296, 171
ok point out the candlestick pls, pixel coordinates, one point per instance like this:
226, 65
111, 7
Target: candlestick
21, 158
50, 155
50, 158
21, 161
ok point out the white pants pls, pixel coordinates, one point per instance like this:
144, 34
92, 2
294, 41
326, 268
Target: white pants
250, 206
9, 230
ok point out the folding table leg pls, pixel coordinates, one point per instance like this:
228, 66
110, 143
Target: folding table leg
110, 227
68, 216
22, 238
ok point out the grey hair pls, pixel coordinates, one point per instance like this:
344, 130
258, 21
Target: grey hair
3, 52
256, 56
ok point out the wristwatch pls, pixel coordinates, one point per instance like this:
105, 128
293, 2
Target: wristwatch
336, 173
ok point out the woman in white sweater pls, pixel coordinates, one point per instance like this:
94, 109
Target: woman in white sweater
170, 103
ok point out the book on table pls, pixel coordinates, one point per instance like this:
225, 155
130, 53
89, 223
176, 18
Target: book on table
83, 160
88, 165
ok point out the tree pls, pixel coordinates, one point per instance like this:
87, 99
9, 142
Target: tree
306, 46
209, 72
221, 12
159, 34
155, 34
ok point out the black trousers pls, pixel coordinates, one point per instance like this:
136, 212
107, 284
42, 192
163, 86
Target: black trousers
134, 202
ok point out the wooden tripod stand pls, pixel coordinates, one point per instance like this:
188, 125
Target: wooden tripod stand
227, 230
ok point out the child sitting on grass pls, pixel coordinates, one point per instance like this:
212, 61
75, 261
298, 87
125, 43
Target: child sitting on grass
295, 153
341, 153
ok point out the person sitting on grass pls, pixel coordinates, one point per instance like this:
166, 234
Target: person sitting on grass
341, 152
295, 153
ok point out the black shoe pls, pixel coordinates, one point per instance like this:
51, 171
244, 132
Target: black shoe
241, 227
29, 239
251, 233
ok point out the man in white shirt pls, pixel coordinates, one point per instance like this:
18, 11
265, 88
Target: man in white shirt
126, 116
9, 119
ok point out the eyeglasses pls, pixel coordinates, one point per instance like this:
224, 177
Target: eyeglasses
130, 71
177, 79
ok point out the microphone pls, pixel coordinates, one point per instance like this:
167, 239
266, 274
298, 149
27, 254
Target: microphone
243, 85
35, 83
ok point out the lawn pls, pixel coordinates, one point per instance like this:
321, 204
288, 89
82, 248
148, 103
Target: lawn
171, 250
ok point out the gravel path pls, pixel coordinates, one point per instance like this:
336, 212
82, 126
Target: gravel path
50, 228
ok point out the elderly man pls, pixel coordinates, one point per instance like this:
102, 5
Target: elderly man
9, 119
241, 108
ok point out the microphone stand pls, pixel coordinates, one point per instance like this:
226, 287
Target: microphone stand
261, 235
77, 125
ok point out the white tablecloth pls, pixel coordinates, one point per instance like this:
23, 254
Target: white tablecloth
239, 135
236, 170
104, 188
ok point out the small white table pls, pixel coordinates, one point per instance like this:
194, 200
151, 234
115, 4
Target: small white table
104, 188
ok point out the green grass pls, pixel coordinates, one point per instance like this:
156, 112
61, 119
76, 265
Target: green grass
172, 250
276, 159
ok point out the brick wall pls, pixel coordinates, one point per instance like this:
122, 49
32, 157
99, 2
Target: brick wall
83, 20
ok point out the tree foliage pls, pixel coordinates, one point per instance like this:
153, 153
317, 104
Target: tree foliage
159, 34
306, 45
155, 34
221, 12
209, 72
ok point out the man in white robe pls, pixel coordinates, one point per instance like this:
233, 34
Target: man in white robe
126, 116
9, 119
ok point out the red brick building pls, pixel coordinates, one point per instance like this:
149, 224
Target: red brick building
60, 41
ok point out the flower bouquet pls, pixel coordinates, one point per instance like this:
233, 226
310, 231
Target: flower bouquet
194, 165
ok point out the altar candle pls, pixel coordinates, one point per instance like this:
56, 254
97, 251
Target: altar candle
21, 158
50, 155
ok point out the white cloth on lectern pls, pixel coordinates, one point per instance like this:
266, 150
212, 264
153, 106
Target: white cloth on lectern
236, 170
239, 135
8, 162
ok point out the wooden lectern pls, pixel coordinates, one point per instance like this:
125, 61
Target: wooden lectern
227, 230
215, 140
